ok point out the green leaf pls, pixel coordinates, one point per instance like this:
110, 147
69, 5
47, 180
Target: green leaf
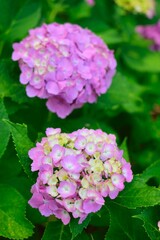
101, 218
4, 130
125, 149
111, 36
152, 171
78, 228
27, 18
9, 164
122, 225
83, 236
9, 85
14, 224
139, 194
124, 93
56, 230
141, 59
9, 10
150, 218
22, 145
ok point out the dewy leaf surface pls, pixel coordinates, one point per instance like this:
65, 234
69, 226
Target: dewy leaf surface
4, 130
14, 224
56, 231
22, 145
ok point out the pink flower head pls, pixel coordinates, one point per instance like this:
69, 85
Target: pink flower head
65, 64
151, 32
76, 171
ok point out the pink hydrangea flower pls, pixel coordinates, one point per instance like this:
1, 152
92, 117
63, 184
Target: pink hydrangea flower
65, 64
151, 32
76, 172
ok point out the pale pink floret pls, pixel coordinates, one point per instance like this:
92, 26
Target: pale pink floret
107, 152
36, 154
76, 172
57, 153
69, 205
45, 206
118, 180
45, 173
90, 148
66, 189
104, 190
127, 172
65, 64
89, 205
80, 142
52, 131
63, 215
71, 164
93, 194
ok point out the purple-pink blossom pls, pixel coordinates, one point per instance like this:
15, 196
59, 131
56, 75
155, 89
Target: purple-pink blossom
76, 171
151, 32
65, 64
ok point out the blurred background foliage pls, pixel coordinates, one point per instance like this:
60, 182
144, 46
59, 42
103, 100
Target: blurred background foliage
130, 109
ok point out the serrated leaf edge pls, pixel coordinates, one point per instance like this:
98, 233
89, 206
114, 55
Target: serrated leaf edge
23, 215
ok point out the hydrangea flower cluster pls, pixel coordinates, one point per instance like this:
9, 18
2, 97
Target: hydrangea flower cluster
151, 32
66, 64
76, 172
146, 7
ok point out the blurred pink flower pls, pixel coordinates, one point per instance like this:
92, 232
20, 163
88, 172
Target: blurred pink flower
151, 32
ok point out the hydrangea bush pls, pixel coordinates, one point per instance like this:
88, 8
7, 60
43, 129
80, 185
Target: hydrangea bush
76, 172
66, 64
76, 182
